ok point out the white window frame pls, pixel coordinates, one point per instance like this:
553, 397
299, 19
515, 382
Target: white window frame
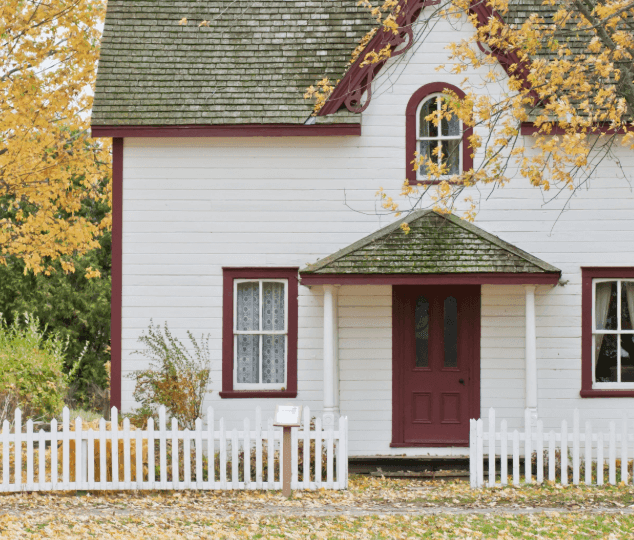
260, 385
618, 332
440, 137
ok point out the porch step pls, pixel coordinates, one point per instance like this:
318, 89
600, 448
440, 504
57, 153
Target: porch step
410, 467
425, 475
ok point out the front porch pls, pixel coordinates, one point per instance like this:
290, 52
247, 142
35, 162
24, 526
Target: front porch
405, 388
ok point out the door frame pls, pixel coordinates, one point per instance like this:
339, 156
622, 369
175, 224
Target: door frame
471, 343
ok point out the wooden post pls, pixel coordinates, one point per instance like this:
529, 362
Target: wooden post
286, 472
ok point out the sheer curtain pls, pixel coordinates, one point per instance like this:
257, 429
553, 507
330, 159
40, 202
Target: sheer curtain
601, 305
629, 292
248, 318
273, 346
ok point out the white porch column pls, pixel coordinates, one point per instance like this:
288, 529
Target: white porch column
531, 353
329, 357
335, 348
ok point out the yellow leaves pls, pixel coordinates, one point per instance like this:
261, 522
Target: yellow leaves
203, 23
405, 228
183, 21
320, 93
49, 165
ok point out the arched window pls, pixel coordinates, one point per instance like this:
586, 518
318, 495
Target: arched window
423, 136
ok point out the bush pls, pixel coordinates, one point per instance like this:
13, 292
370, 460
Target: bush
176, 379
31, 370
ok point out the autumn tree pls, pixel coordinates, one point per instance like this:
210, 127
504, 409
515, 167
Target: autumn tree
49, 166
569, 71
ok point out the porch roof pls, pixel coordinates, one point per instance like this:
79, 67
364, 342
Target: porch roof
439, 248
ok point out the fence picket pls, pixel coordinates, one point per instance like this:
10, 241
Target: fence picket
258, 447
270, 454
491, 446
539, 446
175, 479
187, 458
223, 455
306, 449
329, 457
624, 445
480, 451
612, 453
516, 458
79, 457
29, 454
53, 453
294, 460
65, 449
138, 452
247, 454
41, 447
528, 452
473, 473
162, 447
18, 449
126, 454
211, 448
318, 438
564, 453
588, 452
551, 456
600, 459
199, 453
151, 456
114, 431
102, 452
575, 447
6, 472
234, 459
504, 456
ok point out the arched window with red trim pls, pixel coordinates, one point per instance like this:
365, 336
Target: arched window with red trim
423, 136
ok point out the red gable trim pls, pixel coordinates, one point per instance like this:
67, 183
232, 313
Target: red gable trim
528, 128
358, 79
501, 278
233, 130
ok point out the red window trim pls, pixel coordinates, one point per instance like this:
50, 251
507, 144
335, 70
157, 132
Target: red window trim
410, 129
589, 273
229, 274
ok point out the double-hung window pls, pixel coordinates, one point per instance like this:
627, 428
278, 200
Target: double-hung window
259, 338
260, 334
607, 332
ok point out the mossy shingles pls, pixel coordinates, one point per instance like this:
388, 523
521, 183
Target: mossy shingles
251, 65
435, 244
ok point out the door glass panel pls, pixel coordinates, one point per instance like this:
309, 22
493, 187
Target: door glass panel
421, 316
451, 332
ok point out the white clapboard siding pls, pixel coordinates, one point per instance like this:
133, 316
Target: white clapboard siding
125, 465
556, 445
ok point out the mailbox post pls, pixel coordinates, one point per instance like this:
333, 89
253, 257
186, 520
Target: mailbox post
287, 417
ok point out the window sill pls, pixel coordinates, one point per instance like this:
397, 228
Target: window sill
606, 393
245, 394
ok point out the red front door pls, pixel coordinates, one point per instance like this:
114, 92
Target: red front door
436, 364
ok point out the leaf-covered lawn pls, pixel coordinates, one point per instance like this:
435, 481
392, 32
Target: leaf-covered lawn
372, 508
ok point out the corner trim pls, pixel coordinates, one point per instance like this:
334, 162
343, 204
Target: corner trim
230, 130
116, 273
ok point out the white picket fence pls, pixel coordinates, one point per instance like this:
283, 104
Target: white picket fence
556, 445
150, 470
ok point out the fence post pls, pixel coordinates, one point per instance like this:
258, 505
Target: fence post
258, 447
306, 449
564, 453
612, 455
480, 452
504, 456
114, 427
528, 450
473, 459
540, 451
211, 448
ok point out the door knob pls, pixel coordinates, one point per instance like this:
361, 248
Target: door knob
461, 381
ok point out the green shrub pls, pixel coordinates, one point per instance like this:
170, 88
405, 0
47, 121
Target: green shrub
176, 379
31, 370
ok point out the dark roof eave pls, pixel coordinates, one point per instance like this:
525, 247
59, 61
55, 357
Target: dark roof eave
474, 278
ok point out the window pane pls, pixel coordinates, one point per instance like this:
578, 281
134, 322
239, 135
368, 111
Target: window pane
627, 304
248, 368
426, 149
427, 128
451, 332
605, 349
248, 306
627, 358
273, 306
605, 306
273, 354
451, 127
451, 155
421, 318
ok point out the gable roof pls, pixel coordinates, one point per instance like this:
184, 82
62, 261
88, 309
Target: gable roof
250, 66
435, 244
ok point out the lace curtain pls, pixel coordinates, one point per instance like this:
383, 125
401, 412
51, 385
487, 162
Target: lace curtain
248, 319
601, 305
